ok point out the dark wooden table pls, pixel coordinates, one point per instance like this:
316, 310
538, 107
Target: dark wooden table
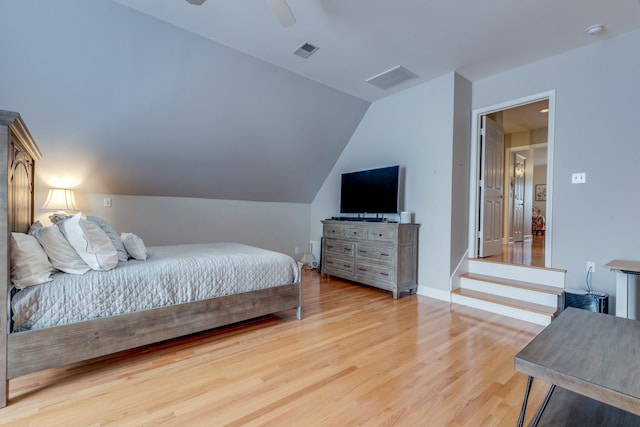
593, 362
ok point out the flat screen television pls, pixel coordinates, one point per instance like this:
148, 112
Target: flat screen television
373, 191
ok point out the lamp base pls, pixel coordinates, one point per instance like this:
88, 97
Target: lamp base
57, 217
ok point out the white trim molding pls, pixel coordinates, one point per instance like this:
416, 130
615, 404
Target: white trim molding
438, 294
475, 158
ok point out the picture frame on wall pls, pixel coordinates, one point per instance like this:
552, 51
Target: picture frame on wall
541, 192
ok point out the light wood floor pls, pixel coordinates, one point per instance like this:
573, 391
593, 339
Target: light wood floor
358, 358
530, 252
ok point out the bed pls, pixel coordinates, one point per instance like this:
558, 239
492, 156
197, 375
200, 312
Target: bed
96, 325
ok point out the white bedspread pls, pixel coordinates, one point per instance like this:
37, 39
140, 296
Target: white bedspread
170, 275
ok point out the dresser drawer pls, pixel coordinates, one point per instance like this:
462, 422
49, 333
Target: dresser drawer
338, 266
338, 247
355, 233
382, 235
333, 230
379, 273
379, 253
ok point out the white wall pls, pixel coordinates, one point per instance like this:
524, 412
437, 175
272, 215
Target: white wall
176, 220
597, 92
129, 104
415, 129
460, 171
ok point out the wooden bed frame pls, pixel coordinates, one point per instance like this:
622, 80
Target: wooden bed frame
25, 352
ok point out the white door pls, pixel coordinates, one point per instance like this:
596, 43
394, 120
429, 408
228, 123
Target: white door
491, 179
518, 197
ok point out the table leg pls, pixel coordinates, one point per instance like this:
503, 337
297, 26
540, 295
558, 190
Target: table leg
524, 402
536, 419
622, 294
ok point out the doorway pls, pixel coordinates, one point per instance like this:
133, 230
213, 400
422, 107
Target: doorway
517, 193
526, 225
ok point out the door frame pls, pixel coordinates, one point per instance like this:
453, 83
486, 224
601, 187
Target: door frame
476, 119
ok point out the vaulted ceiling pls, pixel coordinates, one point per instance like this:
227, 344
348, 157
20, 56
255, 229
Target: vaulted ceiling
160, 97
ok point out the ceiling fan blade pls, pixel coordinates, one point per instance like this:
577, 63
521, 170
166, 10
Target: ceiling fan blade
282, 11
196, 2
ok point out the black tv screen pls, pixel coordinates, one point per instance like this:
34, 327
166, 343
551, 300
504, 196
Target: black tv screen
372, 191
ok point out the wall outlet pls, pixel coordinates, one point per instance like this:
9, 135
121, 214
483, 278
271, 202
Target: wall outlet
578, 178
107, 202
591, 265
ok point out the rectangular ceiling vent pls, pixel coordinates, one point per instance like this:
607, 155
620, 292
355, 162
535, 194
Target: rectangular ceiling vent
306, 50
391, 78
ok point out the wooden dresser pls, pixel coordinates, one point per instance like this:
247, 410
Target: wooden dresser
380, 254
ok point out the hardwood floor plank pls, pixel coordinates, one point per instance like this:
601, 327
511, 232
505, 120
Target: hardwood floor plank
359, 357
530, 252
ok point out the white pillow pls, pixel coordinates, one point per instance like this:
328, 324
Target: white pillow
113, 236
60, 252
29, 263
90, 242
134, 245
35, 227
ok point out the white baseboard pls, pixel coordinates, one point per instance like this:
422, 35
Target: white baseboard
434, 293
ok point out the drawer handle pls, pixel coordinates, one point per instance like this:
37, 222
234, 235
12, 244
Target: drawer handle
383, 254
333, 231
385, 274
355, 232
379, 235
346, 265
362, 252
329, 247
362, 269
347, 249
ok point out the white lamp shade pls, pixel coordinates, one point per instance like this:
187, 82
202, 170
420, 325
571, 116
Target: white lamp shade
60, 199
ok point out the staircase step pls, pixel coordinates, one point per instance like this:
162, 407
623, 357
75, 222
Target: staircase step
514, 283
537, 313
525, 291
549, 276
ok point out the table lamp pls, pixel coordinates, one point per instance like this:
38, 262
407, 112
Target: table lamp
61, 201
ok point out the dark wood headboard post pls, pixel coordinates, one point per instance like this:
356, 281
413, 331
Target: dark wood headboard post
18, 154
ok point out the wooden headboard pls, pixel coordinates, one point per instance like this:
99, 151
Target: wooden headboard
18, 154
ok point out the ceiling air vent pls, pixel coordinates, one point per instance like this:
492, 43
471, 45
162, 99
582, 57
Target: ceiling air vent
391, 78
305, 51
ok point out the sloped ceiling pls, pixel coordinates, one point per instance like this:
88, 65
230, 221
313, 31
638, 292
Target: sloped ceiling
160, 97
362, 38
122, 103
